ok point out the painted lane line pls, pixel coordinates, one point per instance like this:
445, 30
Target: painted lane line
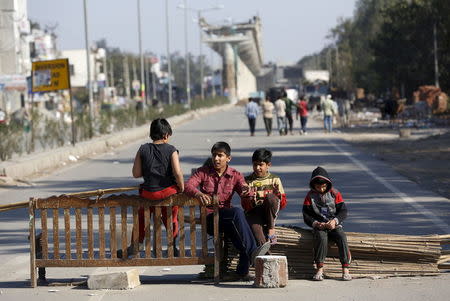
403, 196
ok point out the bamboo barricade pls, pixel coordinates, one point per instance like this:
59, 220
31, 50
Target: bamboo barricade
373, 255
98, 193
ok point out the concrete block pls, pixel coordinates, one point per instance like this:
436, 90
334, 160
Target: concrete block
115, 281
271, 271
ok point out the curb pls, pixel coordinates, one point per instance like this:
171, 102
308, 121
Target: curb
32, 164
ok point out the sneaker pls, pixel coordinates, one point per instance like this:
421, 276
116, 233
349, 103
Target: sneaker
259, 251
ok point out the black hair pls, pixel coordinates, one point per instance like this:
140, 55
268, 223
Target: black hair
284, 94
159, 128
221, 146
262, 155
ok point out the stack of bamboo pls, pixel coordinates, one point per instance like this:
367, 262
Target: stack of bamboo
373, 255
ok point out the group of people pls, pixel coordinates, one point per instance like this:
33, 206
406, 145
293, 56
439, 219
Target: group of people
251, 228
283, 109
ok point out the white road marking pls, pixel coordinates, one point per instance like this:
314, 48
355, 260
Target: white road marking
404, 197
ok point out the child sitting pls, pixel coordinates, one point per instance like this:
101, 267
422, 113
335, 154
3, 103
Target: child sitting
324, 210
265, 199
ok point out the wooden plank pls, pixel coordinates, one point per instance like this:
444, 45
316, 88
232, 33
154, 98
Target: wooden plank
169, 231
192, 231
44, 236
67, 201
148, 250
120, 262
112, 231
135, 235
157, 232
101, 232
181, 234
78, 238
67, 232
90, 230
32, 229
123, 215
55, 234
217, 253
204, 233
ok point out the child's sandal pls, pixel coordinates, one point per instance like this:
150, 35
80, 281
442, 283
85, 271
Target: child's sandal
318, 276
346, 277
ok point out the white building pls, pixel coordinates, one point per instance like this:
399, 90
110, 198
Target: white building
78, 67
15, 63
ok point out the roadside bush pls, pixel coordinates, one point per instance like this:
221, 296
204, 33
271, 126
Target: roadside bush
11, 139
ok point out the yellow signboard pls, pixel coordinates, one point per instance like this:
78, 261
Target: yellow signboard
50, 75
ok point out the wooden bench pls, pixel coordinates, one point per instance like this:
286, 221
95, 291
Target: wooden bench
78, 235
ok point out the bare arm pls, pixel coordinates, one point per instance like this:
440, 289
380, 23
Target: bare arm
177, 171
137, 166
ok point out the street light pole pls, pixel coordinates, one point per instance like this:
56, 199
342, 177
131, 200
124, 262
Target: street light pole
199, 15
169, 67
188, 68
143, 88
88, 63
436, 62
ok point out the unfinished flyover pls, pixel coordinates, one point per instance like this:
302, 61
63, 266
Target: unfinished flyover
240, 47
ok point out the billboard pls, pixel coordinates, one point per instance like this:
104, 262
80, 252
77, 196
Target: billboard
50, 75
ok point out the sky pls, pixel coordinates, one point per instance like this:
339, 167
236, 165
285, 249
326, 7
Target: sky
291, 29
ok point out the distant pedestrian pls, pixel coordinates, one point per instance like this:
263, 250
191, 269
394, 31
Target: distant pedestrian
280, 107
268, 115
289, 108
251, 111
329, 110
2, 116
302, 111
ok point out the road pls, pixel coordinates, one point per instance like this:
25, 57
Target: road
379, 201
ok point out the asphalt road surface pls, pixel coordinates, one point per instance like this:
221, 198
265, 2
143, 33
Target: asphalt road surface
379, 201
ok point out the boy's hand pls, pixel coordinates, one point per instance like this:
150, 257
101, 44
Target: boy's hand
331, 225
204, 198
276, 190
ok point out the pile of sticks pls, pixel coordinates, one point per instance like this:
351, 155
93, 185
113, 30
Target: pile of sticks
373, 255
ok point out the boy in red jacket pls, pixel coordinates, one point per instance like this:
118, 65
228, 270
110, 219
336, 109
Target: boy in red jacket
324, 210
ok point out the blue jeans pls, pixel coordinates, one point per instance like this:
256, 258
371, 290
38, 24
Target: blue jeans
303, 121
233, 224
328, 123
281, 122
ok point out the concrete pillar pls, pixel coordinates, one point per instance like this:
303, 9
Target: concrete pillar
229, 72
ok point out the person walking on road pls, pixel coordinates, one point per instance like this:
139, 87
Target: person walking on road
268, 115
324, 210
289, 108
302, 111
223, 181
329, 110
280, 108
251, 111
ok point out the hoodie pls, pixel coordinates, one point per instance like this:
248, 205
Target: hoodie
323, 207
